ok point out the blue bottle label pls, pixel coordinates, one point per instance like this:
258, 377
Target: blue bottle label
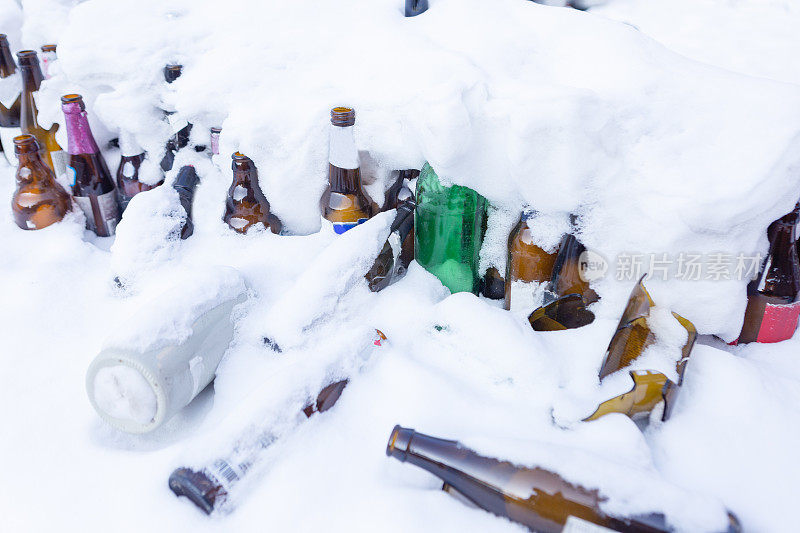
341, 227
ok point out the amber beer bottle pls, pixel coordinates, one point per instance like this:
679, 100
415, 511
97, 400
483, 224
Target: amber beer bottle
772, 307
48, 60
10, 98
181, 129
39, 200
526, 263
185, 185
92, 185
246, 204
131, 159
344, 202
537, 498
52, 154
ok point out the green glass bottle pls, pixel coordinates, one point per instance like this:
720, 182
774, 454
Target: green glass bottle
449, 224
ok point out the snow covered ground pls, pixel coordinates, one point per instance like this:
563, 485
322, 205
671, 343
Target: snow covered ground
640, 132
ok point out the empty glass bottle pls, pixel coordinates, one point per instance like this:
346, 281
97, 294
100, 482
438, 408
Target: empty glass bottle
131, 158
416, 7
49, 59
448, 226
534, 497
52, 154
772, 307
344, 202
39, 200
527, 263
185, 185
10, 101
92, 186
246, 204
400, 192
181, 129
388, 265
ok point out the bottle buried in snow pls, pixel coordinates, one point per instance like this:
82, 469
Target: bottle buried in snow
448, 231
214, 140
91, 181
388, 265
568, 293
137, 391
416, 7
181, 129
344, 202
39, 200
184, 185
526, 264
52, 154
49, 59
10, 101
131, 159
246, 204
400, 192
772, 307
534, 497
632, 337
493, 285
210, 486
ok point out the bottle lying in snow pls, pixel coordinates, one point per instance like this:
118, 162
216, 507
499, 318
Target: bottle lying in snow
137, 390
210, 486
772, 300
537, 498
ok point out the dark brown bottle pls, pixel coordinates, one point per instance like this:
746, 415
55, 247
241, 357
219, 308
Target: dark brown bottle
399, 192
185, 185
49, 58
10, 101
131, 158
246, 204
92, 186
537, 498
52, 154
388, 266
416, 7
772, 308
344, 202
39, 200
567, 278
181, 128
526, 263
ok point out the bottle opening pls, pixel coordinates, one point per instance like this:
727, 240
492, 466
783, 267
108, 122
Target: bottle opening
25, 143
27, 57
172, 72
343, 116
71, 98
216, 130
239, 156
48, 48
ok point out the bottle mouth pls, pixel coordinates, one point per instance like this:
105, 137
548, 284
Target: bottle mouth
343, 116
399, 441
48, 48
71, 98
172, 72
27, 57
25, 144
216, 130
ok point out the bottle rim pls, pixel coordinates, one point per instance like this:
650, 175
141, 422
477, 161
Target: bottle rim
27, 58
343, 116
216, 129
48, 48
25, 143
72, 98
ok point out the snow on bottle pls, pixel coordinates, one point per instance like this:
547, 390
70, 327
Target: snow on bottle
49, 59
92, 186
149, 370
10, 101
39, 200
344, 202
132, 156
528, 266
185, 185
52, 154
246, 204
772, 307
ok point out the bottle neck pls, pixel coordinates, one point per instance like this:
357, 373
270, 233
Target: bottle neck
79, 134
36, 167
7, 65
343, 152
31, 78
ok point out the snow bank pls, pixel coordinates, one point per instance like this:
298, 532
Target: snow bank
566, 111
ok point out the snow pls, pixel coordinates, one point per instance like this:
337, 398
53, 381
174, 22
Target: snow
122, 392
639, 132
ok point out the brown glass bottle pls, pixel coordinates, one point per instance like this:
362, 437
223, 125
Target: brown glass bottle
10, 101
39, 200
344, 202
209, 487
52, 153
246, 204
772, 308
526, 263
131, 158
399, 192
537, 498
386, 268
185, 185
181, 128
92, 186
